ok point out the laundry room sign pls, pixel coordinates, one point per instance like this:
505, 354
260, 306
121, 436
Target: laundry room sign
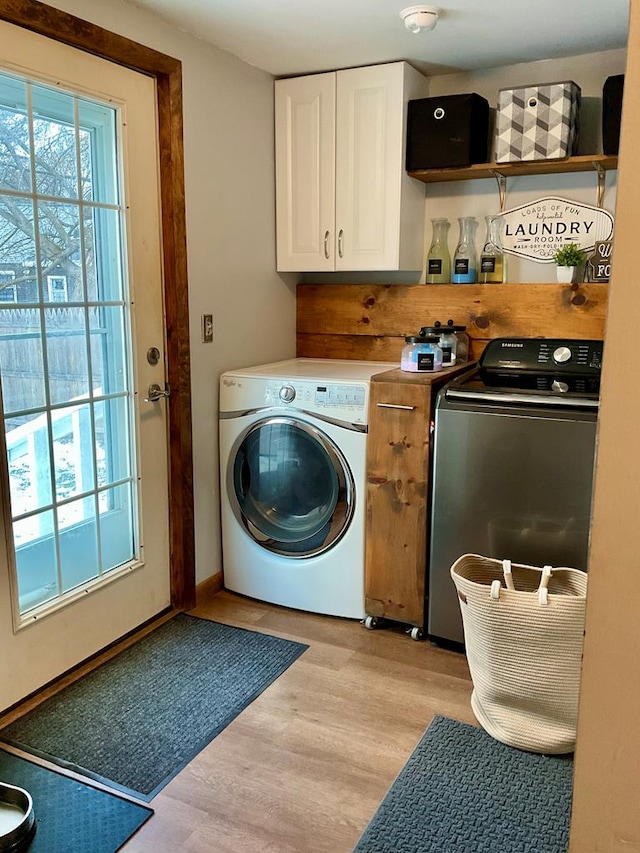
538, 229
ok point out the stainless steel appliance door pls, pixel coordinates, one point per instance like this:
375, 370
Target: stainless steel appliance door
510, 483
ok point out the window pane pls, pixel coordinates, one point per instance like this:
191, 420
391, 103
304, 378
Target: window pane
21, 363
108, 350
8, 290
78, 542
116, 527
72, 451
60, 248
57, 288
55, 143
89, 237
98, 152
36, 560
15, 165
27, 441
103, 259
67, 354
112, 451
17, 246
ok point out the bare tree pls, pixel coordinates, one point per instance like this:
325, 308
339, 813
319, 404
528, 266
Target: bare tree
53, 176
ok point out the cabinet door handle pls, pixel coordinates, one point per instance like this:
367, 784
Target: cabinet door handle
395, 406
326, 245
341, 243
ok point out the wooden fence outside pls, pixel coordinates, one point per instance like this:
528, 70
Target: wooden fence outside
22, 357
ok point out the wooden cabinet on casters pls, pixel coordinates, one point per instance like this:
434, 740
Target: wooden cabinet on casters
401, 411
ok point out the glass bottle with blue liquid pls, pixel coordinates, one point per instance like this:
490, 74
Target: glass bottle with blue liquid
465, 259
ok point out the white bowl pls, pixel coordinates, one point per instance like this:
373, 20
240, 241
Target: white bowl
17, 818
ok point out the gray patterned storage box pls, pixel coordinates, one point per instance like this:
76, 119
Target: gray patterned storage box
538, 122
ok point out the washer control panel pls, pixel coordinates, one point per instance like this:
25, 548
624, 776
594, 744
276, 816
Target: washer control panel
341, 395
316, 396
544, 355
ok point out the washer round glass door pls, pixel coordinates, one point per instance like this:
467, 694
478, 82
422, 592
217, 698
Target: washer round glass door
290, 486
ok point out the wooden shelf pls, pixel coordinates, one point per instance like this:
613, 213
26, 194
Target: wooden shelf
584, 163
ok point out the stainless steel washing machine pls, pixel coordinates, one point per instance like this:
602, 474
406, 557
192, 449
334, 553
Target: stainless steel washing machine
513, 463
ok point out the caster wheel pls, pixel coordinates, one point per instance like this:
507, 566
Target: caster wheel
417, 634
371, 622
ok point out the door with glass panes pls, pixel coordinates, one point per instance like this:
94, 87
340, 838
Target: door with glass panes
84, 454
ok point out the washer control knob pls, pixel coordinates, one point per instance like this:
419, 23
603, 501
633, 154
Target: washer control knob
562, 355
287, 393
559, 385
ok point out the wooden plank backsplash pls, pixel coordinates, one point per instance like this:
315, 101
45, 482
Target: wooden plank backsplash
369, 322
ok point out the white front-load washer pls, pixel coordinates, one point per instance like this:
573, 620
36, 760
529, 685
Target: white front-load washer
293, 437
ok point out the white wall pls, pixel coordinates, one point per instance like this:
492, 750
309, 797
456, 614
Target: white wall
230, 208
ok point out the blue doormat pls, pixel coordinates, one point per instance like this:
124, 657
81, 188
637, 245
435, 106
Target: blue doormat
138, 719
461, 791
69, 814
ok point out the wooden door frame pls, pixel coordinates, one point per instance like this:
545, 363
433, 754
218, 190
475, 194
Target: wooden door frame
167, 72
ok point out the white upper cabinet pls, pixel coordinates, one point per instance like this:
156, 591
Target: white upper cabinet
344, 199
305, 111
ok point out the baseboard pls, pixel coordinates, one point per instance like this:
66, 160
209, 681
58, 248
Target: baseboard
210, 586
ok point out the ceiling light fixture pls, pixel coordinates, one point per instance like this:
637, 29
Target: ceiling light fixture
418, 18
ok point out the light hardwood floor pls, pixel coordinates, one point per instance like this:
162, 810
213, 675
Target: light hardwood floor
305, 766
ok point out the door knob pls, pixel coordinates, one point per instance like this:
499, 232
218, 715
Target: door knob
156, 393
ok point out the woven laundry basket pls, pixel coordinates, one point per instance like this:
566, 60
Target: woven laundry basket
524, 631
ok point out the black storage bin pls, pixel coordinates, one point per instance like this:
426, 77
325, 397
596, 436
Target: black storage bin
448, 131
612, 113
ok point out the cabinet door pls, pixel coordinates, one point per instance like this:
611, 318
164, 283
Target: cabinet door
305, 172
369, 159
397, 500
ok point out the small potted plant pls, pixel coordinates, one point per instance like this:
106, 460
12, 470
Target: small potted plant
568, 258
